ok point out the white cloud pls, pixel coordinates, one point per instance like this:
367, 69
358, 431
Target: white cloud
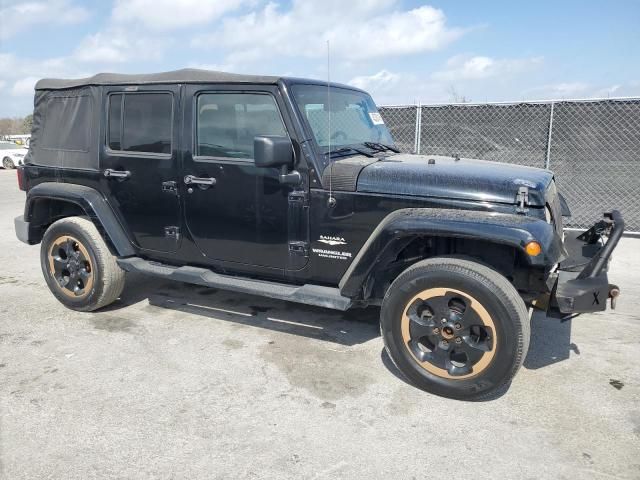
370, 40
581, 89
24, 86
172, 14
102, 47
378, 81
14, 67
572, 88
357, 30
481, 67
217, 67
22, 73
460, 73
18, 17
118, 45
610, 91
561, 90
107, 49
392, 88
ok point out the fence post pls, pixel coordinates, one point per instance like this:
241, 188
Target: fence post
547, 161
418, 133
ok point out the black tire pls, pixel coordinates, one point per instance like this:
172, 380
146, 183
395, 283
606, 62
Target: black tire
7, 163
78, 267
455, 328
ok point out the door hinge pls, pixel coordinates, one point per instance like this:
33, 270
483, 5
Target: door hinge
522, 200
170, 187
299, 248
299, 197
172, 232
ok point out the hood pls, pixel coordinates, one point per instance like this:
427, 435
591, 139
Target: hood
448, 177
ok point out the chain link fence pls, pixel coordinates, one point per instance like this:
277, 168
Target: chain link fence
403, 123
593, 146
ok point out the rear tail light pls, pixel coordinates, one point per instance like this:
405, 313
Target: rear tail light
21, 180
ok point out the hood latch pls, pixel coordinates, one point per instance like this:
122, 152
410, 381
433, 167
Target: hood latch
522, 200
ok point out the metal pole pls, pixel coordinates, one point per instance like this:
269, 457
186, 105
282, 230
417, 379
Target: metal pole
548, 159
418, 134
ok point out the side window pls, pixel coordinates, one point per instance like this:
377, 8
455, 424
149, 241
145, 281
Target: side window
115, 121
67, 123
140, 122
228, 122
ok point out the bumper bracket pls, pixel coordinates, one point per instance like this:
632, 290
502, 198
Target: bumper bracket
589, 289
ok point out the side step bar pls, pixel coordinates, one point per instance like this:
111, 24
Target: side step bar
308, 294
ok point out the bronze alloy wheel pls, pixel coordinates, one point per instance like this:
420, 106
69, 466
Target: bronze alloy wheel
70, 266
78, 266
455, 328
449, 333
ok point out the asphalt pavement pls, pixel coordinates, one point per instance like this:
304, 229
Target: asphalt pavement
176, 381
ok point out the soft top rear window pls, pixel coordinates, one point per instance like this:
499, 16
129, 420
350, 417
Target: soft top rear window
67, 123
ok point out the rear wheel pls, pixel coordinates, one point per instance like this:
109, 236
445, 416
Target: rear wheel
7, 163
455, 328
79, 268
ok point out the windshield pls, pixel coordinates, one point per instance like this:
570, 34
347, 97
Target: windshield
352, 117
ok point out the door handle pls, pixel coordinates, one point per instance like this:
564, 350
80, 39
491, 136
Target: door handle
117, 174
200, 181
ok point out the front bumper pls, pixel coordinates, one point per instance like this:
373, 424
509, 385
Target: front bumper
582, 283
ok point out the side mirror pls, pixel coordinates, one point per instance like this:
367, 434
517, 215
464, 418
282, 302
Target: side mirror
272, 151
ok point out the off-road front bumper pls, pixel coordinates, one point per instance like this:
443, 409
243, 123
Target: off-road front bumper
582, 283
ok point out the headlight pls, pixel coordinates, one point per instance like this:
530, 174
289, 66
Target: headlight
548, 216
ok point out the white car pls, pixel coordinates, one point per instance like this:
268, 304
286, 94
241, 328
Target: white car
12, 155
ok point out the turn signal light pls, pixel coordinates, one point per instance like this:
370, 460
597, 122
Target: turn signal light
533, 249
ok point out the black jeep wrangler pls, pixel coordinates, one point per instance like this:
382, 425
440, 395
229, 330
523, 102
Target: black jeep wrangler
293, 189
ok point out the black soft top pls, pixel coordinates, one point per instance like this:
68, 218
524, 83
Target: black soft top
186, 75
68, 114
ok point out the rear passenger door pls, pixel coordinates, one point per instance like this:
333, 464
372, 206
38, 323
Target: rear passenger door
139, 162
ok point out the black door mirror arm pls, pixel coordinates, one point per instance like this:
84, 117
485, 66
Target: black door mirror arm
290, 177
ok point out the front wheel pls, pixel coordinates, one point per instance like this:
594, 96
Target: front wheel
7, 163
455, 328
79, 269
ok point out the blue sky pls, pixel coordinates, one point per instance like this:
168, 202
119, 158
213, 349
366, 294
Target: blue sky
402, 51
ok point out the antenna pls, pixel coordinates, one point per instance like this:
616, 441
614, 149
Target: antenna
332, 201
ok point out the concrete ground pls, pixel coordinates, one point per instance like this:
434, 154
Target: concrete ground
178, 381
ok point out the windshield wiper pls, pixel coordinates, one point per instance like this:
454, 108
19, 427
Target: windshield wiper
349, 149
380, 147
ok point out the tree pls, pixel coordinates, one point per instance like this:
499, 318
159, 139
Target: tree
27, 123
6, 125
455, 97
16, 125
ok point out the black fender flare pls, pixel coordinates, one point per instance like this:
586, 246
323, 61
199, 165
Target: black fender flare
92, 203
408, 223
